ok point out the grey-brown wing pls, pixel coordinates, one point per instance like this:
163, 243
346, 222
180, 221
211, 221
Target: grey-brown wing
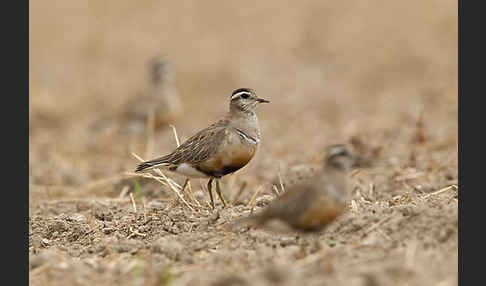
292, 203
198, 147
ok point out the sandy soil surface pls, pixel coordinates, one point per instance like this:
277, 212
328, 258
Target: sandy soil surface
380, 76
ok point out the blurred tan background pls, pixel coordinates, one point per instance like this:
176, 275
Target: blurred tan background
331, 69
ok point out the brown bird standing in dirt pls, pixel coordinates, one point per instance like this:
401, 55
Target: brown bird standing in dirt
220, 149
312, 205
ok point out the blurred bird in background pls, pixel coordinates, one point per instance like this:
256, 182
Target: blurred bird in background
157, 107
313, 204
161, 101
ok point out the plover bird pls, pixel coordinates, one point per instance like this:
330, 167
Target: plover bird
161, 98
220, 149
311, 205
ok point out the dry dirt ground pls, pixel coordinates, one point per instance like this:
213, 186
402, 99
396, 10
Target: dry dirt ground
381, 75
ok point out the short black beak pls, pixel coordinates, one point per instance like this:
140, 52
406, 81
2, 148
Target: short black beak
261, 100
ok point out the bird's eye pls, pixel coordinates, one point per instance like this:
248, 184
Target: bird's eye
245, 95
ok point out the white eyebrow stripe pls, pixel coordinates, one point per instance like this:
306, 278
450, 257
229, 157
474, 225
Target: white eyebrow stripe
240, 93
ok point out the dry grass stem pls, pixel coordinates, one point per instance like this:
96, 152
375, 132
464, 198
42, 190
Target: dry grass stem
252, 200
172, 185
440, 191
191, 195
123, 192
410, 176
149, 176
275, 190
280, 180
237, 196
133, 203
354, 206
377, 224
386, 236
175, 134
134, 232
355, 172
371, 190
144, 210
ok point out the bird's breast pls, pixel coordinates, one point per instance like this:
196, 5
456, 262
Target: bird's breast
319, 215
229, 159
238, 154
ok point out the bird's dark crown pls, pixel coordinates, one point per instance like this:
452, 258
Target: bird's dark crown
239, 90
338, 157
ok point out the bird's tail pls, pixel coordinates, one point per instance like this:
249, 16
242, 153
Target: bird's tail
150, 164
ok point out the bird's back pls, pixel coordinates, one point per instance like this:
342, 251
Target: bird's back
309, 205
